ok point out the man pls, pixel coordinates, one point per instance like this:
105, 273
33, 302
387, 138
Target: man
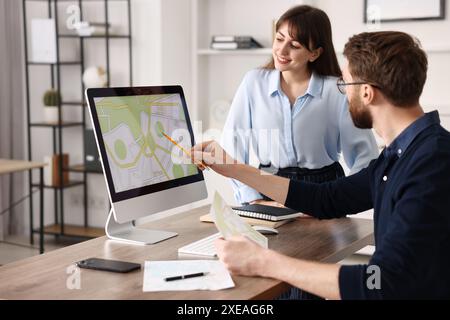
407, 185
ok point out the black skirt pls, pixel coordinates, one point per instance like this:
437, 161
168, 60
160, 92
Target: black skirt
328, 173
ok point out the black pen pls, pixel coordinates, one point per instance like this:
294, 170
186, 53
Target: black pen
186, 276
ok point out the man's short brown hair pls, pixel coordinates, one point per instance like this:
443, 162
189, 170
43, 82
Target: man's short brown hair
392, 61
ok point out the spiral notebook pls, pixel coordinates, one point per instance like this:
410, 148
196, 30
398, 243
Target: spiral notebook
263, 212
253, 221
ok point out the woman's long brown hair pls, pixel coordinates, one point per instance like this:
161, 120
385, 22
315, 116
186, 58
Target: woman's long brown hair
311, 27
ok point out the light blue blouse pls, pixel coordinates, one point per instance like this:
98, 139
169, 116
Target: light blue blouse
310, 134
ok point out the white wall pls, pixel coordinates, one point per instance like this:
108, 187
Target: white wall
147, 35
175, 43
347, 19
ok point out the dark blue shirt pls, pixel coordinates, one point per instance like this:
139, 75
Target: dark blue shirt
409, 188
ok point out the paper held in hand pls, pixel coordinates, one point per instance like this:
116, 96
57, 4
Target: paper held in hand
231, 224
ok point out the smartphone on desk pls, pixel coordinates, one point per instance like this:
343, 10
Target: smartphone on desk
108, 265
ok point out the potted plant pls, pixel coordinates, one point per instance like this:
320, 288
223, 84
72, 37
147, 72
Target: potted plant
51, 100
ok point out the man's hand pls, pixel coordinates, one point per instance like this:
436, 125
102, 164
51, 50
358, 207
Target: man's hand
210, 153
241, 256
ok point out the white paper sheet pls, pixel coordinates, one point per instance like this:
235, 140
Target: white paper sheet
43, 40
216, 279
231, 224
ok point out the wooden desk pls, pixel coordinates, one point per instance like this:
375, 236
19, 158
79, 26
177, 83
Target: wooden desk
13, 166
45, 276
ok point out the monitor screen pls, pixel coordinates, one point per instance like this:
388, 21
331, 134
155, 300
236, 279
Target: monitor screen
144, 136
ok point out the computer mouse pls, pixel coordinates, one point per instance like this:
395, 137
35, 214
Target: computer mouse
265, 230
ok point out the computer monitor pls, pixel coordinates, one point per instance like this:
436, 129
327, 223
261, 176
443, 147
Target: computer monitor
145, 171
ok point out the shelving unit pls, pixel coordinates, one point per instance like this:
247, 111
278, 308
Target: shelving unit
53, 10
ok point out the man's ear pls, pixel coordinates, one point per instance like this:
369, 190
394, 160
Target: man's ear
315, 54
368, 94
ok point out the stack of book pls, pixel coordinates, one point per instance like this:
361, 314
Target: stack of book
257, 214
234, 42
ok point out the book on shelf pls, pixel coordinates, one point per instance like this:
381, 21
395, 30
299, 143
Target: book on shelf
56, 178
234, 42
228, 38
269, 213
252, 221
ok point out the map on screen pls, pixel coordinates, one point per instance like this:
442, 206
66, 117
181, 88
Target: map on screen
138, 153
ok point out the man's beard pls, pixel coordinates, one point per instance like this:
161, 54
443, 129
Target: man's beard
360, 115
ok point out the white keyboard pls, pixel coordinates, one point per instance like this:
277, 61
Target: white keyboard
202, 247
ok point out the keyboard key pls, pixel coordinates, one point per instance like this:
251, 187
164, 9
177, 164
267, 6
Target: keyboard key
202, 247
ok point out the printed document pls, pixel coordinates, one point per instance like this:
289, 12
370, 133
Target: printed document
231, 224
155, 272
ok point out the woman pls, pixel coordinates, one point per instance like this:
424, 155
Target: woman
291, 112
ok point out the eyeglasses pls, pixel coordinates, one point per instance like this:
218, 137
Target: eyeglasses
341, 84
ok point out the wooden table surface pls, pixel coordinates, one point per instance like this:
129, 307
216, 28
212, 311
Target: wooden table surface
46, 276
10, 166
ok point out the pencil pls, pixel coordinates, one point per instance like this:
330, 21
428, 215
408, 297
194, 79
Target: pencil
183, 149
175, 143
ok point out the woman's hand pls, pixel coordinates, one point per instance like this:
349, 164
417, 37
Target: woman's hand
268, 203
211, 154
276, 204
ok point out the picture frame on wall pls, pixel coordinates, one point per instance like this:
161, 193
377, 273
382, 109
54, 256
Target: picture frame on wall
403, 10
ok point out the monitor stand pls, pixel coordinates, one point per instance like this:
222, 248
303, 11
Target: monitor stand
127, 232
